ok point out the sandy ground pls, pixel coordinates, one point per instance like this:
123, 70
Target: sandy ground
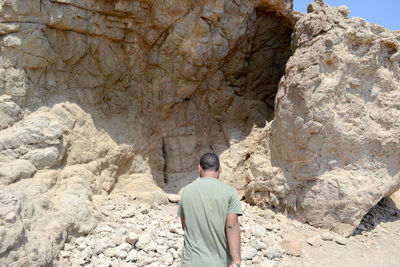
378, 245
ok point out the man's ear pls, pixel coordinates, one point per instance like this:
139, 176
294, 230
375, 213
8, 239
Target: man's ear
200, 170
219, 169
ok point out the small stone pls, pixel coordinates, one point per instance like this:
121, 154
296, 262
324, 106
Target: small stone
87, 253
132, 255
152, 246
269, 226
143, 259
109, 252
327, 236
145, 211
122, 254
128, 213
132, 238
81, 246
315, 241
114, 262
174, 253
249, 253
10, 217
81, 260
257, 230
340, 240
100, 247
176, 229
257, 244
124, 247
166, 259
111, 244
162, 234
143, 242
273, 252
292, 246
69, 247
174, 198
65, 254
154, 206
104, 228
161, 249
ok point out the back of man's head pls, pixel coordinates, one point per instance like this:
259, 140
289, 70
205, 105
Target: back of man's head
209, 162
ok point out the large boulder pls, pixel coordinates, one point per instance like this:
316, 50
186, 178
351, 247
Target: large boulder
335, 148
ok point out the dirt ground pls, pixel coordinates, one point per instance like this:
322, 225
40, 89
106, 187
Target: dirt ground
375, 243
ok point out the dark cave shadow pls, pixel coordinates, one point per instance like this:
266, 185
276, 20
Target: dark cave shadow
384, 211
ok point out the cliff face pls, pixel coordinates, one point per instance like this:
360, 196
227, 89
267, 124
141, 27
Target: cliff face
126, 95
166, 78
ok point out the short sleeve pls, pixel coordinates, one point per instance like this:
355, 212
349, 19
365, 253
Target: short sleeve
180, 208
234, 203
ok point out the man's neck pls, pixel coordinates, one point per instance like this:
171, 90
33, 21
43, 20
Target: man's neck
210, 174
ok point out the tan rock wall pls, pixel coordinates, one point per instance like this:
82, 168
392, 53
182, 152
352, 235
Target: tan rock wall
126, 95
106, 95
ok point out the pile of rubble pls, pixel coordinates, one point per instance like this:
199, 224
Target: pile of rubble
132, 233
138, 234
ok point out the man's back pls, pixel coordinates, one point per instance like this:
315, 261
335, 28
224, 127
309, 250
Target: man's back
204, 206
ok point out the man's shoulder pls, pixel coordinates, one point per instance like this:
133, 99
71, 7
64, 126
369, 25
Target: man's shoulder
209, 182
227, 186
190, 187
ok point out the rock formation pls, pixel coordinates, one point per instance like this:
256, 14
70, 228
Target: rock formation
334, 140
127, 94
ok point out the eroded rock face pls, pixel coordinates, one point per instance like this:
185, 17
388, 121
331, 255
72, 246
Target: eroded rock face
169, 78
104, 95
335, 139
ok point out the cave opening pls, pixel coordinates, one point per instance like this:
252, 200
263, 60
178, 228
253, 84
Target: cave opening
241, 105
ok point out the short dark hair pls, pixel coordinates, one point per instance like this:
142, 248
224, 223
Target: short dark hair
209, 161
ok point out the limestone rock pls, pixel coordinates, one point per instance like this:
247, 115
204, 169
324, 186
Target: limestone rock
273, 252
10, 112
132, 238
248, 253
146, 190
11, 171
106, 96
396, 199
334, 139
315, 241
340, 240
327, 236
166, 259
12, 228
292, 246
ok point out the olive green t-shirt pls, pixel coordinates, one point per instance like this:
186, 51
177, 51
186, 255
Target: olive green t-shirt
205, 204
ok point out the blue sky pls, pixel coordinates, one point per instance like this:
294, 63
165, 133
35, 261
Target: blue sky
384, 12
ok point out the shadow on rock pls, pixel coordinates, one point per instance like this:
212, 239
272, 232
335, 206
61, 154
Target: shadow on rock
384, 211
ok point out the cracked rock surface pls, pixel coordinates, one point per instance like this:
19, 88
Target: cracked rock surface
102, 96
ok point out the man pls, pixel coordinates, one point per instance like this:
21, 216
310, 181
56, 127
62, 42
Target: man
209, 211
